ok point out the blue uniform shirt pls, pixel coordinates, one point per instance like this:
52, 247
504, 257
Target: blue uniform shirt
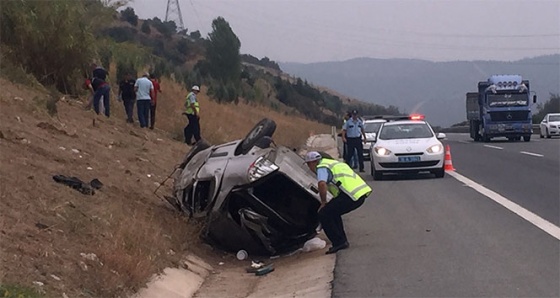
324, 174
353, 128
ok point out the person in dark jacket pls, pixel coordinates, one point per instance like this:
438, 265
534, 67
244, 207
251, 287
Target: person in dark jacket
128, 96
101, 88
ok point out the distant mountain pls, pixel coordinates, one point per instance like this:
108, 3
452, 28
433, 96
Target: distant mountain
436, 89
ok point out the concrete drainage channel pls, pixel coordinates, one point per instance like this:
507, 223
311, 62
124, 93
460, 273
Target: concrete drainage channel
299, 274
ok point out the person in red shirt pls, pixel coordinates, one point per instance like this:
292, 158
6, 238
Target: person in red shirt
157, 89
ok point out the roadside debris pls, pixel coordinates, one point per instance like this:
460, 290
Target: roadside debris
259, 268
79, 185
314, 244
242, 255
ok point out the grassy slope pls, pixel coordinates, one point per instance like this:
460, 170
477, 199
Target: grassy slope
132, 231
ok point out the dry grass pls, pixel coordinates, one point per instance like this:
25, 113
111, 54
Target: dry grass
226, 122
132, 232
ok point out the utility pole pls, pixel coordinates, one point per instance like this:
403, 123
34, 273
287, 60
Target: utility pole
173, 13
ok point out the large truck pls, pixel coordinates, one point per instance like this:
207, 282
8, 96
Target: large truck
501, 108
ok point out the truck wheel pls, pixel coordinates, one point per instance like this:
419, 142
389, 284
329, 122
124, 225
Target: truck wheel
526, 138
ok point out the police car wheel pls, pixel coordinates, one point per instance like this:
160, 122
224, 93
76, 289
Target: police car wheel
265, 128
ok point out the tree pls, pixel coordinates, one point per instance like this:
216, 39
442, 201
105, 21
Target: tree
550, 106
222, 52
195, 35
146, 27
130, 16
50, 39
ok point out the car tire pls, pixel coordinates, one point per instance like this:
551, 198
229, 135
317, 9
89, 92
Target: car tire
265, 128
440, 173
526, 138
377, 176
548, 136
199, 146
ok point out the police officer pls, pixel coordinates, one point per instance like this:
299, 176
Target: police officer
349, 192
352, 133
192, 112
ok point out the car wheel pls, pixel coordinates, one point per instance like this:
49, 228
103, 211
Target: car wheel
265, 128
541, 135
377, 176
440, 173
199, 146
526, 138
548, 136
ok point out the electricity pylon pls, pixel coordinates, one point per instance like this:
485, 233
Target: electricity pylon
173, 13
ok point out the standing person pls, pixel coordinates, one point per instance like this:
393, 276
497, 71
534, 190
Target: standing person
101, 88
354, 158
349, 192
352, 133
144, 94
157, 89
127, 93
192, 112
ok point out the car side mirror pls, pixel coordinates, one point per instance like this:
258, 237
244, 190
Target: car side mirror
534, 99
544, 121
441, 136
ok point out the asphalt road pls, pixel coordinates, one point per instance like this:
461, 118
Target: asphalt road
418, 236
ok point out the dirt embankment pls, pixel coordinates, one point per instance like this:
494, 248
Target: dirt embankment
56, 240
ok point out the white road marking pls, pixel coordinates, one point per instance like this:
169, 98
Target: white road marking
529, 216
494, 147
465, 142
532, 154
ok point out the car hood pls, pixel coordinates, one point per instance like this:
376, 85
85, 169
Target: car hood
554, 122
407, 145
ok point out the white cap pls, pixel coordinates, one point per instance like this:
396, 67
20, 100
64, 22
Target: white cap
195, 88
312, 156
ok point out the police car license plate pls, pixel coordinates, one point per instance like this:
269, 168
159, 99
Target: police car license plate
409, 158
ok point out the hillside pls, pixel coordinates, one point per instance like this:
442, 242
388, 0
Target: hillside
47, 226
436, 89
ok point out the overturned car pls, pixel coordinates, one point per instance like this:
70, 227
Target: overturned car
252, 194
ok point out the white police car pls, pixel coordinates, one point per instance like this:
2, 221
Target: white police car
407, 145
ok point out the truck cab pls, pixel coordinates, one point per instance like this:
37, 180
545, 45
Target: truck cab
501, 108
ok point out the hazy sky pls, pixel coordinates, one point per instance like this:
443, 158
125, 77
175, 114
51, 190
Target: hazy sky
321, 30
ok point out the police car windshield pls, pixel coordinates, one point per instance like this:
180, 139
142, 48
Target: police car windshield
405, 131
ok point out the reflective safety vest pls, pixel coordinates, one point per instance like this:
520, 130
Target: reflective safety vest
344, 179
189, 109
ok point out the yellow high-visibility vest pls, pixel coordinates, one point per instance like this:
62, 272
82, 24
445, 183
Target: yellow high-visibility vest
344, 179
189, 109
